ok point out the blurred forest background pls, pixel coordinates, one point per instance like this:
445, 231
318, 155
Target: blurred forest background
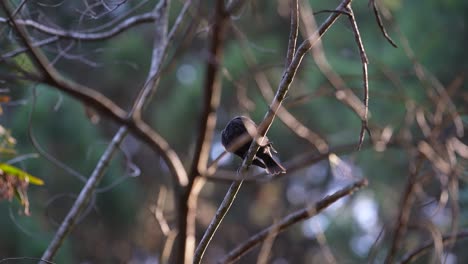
415, 163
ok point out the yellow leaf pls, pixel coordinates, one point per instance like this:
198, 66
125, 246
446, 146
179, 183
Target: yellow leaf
22, 175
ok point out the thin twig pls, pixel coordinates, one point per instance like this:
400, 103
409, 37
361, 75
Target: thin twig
342, 92
82, 36
407, 200
290, 220
159, 52
294, 31
212, 97
104, 105
365, 78
283, 88
297, 163
265, 250
283, 114
18, 51
88, 190
9, 260
84, 197
56, 162
418, 252
380, 23
178, 21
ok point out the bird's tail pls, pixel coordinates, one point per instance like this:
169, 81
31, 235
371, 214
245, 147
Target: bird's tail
273, 166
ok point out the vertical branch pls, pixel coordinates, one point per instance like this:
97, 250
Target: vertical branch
283, 88
364, 61
407, 201
293, 33
159, 52
212, 95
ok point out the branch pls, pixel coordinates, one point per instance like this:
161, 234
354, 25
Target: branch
418, 252
160, 46
212, 96
18, 51
262, 130
407, 201
117, 29
84, 197
343, 93
105, 106
53, 77
290, 220
159, 53
364, 61
294, 30
15, 259
284, 115
380, 23
297, 163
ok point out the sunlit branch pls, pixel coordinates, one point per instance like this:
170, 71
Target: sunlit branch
212, 96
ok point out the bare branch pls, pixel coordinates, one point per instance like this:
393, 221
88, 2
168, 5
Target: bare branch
290, 220
294, 30
83, 36
84, 197
262, 130
364, 61
160, 46
18, 51
407, 200
380, 23
418, 252
284, 115
212, 95
159, 53
104, 105
7, 260
343, 93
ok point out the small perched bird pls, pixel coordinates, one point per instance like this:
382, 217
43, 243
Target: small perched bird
240, 126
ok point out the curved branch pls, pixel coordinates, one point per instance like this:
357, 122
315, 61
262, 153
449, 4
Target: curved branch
104, 105
365, 78
68, 34
290, 220
160, 46
380, 23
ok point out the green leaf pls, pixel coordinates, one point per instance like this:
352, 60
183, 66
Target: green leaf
22, 175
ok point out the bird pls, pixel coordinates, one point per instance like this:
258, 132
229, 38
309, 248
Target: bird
240, 126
